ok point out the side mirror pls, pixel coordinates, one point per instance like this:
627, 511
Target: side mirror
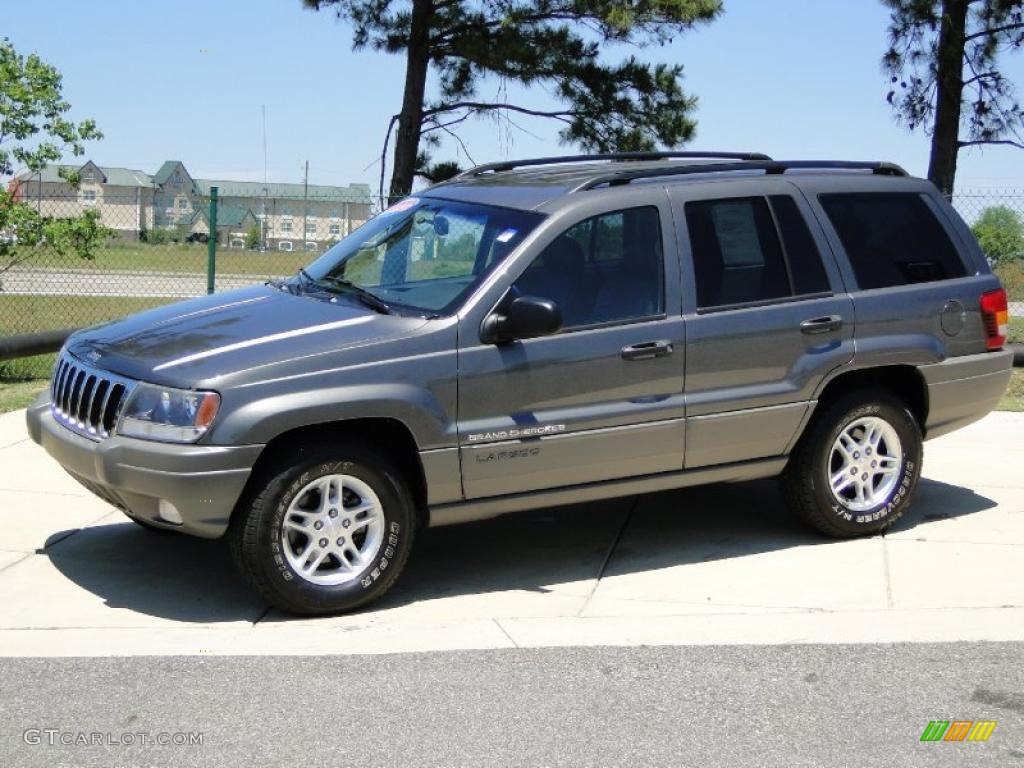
527, 317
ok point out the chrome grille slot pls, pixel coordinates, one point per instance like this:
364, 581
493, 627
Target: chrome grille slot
87, 400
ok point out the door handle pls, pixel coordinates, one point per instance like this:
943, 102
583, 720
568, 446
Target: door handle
647, 350
822, 324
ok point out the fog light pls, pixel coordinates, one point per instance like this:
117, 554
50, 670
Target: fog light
169, 512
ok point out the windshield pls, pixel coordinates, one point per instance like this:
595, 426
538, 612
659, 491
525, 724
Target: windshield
424, 253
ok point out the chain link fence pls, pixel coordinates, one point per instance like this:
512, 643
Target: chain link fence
159, 251
156, 254
997, 218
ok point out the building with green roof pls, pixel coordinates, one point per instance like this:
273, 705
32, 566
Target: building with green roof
290, 216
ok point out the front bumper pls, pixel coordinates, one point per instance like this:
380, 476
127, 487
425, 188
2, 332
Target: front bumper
203, 482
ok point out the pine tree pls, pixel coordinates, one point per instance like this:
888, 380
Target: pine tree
555, 44
943, 60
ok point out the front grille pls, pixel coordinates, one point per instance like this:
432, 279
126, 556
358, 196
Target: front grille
85, 399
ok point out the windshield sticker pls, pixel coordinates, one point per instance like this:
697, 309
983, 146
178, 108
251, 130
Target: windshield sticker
507, 235
402, 205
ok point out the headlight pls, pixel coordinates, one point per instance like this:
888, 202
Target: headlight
171, 415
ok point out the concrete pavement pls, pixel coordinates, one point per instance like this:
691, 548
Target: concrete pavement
723, 564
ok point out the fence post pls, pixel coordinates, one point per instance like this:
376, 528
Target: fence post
211, 258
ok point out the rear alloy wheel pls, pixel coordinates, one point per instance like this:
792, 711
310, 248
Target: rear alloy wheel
865, 464
325, 530
855, 469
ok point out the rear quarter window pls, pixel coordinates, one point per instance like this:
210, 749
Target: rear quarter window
892, 239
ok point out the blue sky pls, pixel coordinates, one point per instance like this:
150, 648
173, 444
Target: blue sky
186, 80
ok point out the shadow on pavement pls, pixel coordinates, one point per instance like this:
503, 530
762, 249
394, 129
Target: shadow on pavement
193, 580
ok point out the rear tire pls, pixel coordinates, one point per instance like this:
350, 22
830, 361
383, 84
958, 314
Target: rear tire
324, 530
855, 469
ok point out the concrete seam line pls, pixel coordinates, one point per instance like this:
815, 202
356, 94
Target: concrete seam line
505, 632
888, 573
609, 553
27, 555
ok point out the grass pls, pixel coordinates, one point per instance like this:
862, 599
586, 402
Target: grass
174, 257
1013, 400
27, 314
18, 394
51, 312
1015, 333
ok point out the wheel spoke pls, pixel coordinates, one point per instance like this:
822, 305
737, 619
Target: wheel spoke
846, 445
330, 489
365, 506
841, 479
343, 558
359, 524
303, 527
309, 566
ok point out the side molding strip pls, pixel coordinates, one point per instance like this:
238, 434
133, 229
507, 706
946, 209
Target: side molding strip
483, 509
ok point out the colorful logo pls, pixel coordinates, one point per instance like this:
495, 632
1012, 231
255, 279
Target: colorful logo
958, 730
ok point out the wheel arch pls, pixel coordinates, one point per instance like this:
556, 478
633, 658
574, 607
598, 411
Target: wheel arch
387, 435
903, 381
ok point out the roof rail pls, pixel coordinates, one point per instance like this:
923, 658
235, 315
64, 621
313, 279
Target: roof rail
770, 167
508, 165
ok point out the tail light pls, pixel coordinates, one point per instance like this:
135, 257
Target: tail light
996, 316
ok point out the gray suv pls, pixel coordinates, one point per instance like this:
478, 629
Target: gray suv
539, 333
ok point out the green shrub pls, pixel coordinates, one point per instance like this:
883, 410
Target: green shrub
1000, 233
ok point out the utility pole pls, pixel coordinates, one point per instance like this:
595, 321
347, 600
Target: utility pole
305, 203
263, 218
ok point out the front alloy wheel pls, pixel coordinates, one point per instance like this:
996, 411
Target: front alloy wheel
325, 529
333, 529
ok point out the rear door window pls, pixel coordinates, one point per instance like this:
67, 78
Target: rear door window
892, 238
752, 250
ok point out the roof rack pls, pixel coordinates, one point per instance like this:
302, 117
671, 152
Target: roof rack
770, 167
508, 165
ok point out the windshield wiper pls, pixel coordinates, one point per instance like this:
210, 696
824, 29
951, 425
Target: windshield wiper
366, 297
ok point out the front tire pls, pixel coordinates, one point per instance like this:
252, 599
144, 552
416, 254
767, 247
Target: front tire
326, 531
854, 471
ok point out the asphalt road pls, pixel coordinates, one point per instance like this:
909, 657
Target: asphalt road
811, 705
86, 282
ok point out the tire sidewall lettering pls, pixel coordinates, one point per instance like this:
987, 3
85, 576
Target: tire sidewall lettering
899, 496
377, 567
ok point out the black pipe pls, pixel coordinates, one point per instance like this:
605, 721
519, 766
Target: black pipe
28, 344
1018, 355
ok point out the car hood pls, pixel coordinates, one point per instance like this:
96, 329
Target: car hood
210, 337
